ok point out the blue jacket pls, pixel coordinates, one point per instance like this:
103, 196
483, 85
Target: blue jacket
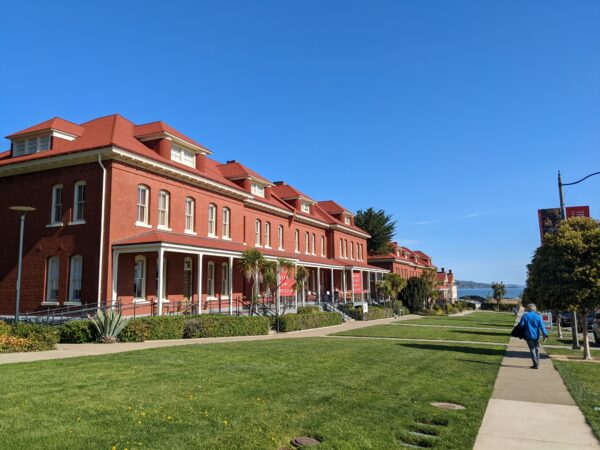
531, 322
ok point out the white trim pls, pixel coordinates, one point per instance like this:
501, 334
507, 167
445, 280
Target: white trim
142, 224
76, 202
72, 303
191, 233
57, 224
78, 222
266, 207
49, 303
162, 227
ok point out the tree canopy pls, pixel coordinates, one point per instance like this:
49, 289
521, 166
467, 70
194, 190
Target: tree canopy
498, 291
379, 225
415, 294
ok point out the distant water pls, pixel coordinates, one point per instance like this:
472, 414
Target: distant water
485, 293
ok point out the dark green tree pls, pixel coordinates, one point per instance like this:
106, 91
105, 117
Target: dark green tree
379, 225
565, 271
415, 294
498, 293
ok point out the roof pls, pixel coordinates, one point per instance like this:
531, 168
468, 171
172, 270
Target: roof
161, 127
285, 191
332, 207
56, 123
233, 170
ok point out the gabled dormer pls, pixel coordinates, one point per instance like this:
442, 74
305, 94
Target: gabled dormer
246, 178
294, 197
40, 137
337, 211
172, 145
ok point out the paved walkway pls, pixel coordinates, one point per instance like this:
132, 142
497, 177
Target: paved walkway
532, 409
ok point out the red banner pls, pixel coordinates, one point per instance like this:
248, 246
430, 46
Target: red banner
577, 211
356, 283
286, 283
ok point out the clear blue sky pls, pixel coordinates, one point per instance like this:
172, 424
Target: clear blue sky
453, 115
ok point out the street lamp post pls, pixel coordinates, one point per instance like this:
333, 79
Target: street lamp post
22, 211
563, 216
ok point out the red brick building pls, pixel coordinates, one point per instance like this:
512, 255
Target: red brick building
142, 215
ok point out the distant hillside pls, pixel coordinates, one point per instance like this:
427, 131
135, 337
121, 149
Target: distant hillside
476, 285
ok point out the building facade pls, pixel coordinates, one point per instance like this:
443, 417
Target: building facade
141, 216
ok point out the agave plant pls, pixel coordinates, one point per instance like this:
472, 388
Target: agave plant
108, 325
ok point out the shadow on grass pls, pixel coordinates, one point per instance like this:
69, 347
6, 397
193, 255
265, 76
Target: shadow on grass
455, 348
481, 333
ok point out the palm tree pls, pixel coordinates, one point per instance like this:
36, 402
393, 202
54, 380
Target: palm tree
272, 280
252, 263
301, 277
379, 225
499, 291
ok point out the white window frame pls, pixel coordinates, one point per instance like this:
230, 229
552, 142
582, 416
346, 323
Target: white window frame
267, 235
257, 233
142, 260
305, 207
75, 278
52, 280
183, 155
210, 280
341, 248
57, 204
212, 220
280, 237
257, 189
190, 215
347, 220
79, 191
322, 245
226, 223
306, 242
164, 200
297, 241
313, 244
225, 280
142, 206
346, 248
31, 145
351, 250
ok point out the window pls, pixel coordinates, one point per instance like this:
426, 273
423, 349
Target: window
31, 145
79, 202
226, 229
182, 155
351, 250
345, 248
280, 237
347, 220
139, 278
52, 280
190, 207
297, 241
305, 207
56, 214
210, 279
224, 280
257, 189
306, 242
257, 233
142, 205
268, 234
313, 244
322, 245
212, 220
75, 267
341, 248
163, 209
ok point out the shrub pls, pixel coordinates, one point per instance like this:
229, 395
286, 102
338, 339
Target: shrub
42, 337
153, 328
4, 328
221, 326
308, 309
77, 332
350, 310
296, 322
9, 344
377, 312
108, 325
134, 331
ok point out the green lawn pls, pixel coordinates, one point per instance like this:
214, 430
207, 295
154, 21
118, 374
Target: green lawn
353, 394
410, 332
583, 381
476, 319
566, 341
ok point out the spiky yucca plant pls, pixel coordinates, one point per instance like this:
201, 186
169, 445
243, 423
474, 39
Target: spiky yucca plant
108, 325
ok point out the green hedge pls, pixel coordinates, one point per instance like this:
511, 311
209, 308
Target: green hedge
41, 337
296, 322
308, 309
77, 332
212, 325
4, 328
377, 312
153, 328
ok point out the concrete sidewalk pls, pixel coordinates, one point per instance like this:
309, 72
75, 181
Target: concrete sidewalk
532, 409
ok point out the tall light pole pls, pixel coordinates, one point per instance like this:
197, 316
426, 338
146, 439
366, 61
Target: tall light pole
22, 211
563, 216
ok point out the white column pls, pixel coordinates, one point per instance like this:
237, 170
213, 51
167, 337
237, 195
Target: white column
199, 283
159, 287
332, 287
230, 285
362, 287
115, 276
318, 284
344, 283
352, 284
278, 293
369, 286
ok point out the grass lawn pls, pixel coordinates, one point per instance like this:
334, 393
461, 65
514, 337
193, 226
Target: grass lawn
476, 319
352, 394
408, 332
567, 341
583, 381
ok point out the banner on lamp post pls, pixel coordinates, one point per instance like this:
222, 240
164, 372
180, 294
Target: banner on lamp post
577, 211
548, 219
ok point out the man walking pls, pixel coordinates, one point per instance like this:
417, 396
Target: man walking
531, 324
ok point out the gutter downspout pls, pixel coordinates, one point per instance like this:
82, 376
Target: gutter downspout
100, 258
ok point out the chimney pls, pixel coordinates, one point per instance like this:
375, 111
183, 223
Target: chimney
443, 270
450, 271
279, 183
232, 161
164, 148
201, 162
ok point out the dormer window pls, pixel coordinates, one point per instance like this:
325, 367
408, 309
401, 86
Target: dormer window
182, 155
31, 145
305, 207
257, 189
347, 220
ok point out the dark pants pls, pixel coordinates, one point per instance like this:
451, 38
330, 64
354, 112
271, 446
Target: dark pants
534, 348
